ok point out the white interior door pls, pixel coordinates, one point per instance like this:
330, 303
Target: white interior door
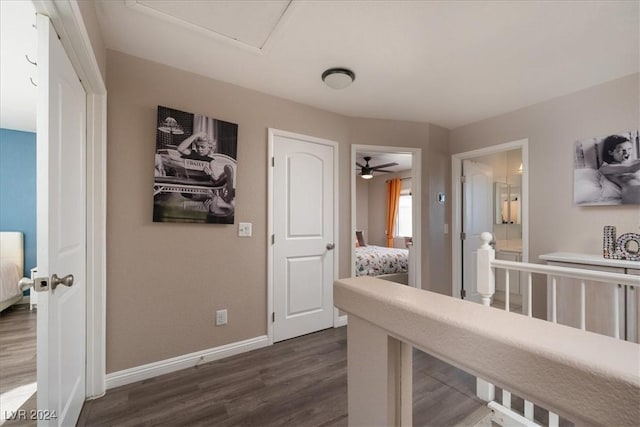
61, 232
477, 211
303, 226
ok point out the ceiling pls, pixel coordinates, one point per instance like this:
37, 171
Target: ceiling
444, 62
18, 38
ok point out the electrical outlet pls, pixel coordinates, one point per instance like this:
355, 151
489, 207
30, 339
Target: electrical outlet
244, 229
221, 317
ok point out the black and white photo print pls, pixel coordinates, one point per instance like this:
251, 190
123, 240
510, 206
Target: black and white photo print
607, 170
195, 168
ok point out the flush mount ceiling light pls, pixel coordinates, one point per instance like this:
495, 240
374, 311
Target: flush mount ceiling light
338, 78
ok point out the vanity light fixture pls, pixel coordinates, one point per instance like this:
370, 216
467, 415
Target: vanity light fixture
520, 168
338, 78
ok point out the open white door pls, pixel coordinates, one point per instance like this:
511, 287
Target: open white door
476, 218
61, 232
304, 237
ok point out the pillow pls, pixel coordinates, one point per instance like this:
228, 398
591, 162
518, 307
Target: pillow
360, 238
590, 187
586, 186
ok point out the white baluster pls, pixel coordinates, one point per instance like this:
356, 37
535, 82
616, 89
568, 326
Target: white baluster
554, 305
554, 420
506, 290
528, 410
616, 312
529, 296
583, 308
506, 399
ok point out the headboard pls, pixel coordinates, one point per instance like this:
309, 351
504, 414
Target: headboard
12, 247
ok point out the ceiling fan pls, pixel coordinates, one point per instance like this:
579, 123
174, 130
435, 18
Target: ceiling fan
366, 171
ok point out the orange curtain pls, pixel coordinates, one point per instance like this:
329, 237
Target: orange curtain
393, 199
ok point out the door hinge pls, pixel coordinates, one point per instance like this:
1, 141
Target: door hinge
273, 316
463, 178
463, 235
273, 162
463, 293
273, 239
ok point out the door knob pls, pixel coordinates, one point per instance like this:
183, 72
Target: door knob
330, 246
66, 280
26, 283
39, 284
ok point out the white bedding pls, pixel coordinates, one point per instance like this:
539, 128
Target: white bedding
593, 188
377, 260
10, 274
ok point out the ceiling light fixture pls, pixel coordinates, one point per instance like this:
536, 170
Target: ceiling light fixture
366, 172
338, 78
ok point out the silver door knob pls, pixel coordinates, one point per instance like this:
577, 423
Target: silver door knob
38, 284
330, 246
66, 280
25, 283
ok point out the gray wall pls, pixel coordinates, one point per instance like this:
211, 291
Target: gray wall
552, 128
165, 280
362, 206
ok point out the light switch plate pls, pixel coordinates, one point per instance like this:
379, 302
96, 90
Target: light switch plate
221, 317
244, 229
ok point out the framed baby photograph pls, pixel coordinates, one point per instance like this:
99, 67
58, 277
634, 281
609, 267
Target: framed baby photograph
607, 170
195, 168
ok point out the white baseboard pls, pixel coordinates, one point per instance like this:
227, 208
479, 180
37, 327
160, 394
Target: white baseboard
139, 373
340, 321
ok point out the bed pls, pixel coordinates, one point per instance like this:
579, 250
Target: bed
11, 267
378, 261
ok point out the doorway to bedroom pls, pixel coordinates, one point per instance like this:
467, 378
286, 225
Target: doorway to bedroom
386, 213
490, 193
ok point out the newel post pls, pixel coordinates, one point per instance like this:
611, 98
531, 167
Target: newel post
486, 276
486, 283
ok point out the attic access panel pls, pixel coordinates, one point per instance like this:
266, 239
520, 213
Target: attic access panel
247, 24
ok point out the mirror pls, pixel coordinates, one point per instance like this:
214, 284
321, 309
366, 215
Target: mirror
507, 203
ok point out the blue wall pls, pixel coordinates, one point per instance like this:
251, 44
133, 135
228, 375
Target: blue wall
18, 189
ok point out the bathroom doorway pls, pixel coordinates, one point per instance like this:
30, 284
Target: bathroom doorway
490, 193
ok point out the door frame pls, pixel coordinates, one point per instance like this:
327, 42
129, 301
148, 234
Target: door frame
456, 204
416, 204
272, 134
69, 24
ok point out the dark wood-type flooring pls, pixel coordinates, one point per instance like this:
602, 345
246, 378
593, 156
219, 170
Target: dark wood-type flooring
18, 355
299, 382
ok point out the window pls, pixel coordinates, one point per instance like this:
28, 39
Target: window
403, 220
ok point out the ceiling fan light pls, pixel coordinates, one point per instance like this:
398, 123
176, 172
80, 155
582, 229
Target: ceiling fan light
338, 78
366, 172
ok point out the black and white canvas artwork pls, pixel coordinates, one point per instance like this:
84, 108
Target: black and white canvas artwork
195, 168
607, 170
